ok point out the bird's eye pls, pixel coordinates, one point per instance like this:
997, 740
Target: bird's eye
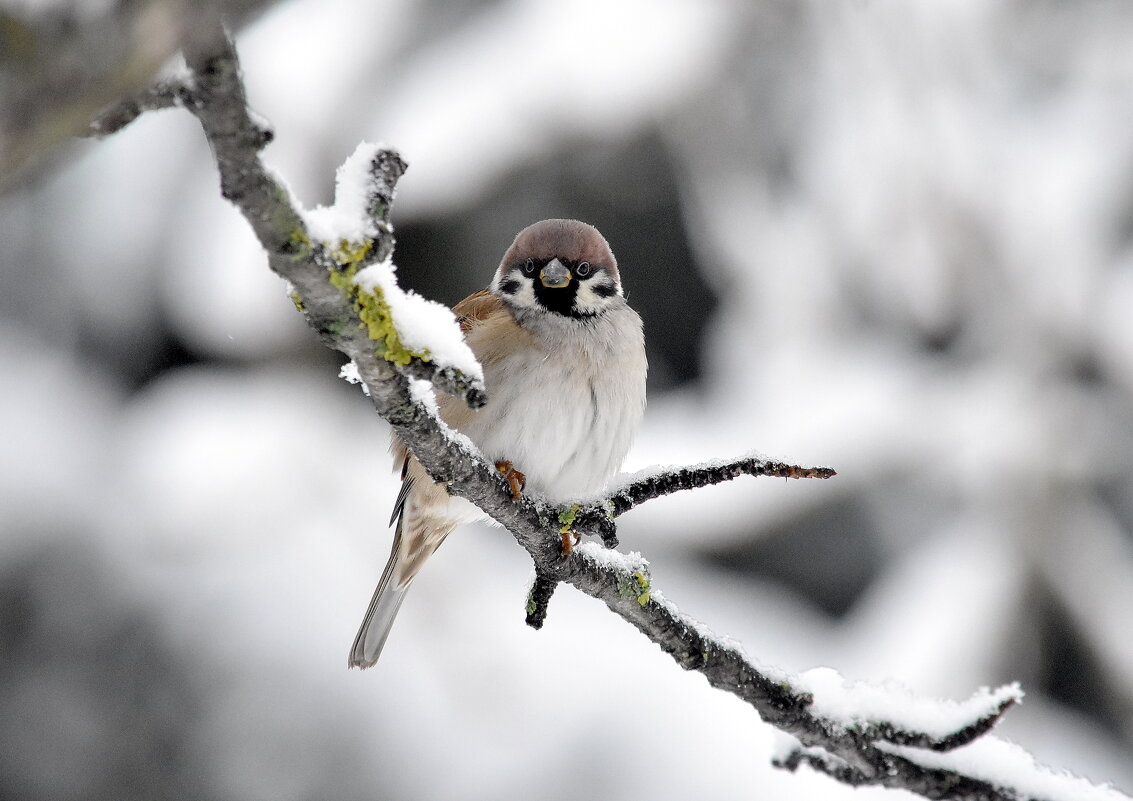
583, 269
529, 267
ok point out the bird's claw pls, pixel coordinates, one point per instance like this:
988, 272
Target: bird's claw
516, 481
570, 539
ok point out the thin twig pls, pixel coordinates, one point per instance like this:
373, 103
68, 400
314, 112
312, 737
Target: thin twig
538, 599
903, 774
887, 732
596, 517
161, 95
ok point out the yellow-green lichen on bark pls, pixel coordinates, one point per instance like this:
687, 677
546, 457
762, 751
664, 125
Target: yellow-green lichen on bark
566, 518
370, 305
375, 313
635, 586
299, 242
344, 279
352, 253
642, 580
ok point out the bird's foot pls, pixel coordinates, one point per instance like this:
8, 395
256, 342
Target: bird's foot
515, 479
570, 539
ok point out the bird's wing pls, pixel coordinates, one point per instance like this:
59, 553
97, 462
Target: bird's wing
402, 495
476, 307
401, 459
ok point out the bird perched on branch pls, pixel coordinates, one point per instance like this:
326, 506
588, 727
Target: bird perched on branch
564, 367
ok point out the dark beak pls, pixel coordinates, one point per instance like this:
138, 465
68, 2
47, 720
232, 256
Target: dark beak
555, 275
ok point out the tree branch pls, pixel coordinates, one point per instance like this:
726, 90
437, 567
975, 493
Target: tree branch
215, 95
161, 95
538, 599
61, 61
905, 775
596, 517
322, 277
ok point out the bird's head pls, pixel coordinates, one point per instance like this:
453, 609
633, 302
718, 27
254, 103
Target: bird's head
560, 267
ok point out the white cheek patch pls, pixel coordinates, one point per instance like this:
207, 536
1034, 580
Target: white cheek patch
589, 301
523, 296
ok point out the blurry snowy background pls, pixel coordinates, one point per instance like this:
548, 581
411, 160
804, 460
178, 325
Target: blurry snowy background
891, 236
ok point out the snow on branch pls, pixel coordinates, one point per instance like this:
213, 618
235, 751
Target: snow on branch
326, 254
337, 263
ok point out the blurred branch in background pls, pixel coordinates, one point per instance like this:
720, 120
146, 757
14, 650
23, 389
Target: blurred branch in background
61, 62
859, 735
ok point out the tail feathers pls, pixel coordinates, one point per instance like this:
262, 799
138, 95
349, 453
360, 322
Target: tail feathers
382, 610
377, 623
372, 634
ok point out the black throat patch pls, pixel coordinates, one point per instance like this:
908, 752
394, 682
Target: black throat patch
560, 301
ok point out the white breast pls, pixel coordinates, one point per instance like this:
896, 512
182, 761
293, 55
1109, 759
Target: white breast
565, 410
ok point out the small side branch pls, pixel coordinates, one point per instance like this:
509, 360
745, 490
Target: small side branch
887, 732
162, 95
596, 518
538, 599
669, 481
899, 773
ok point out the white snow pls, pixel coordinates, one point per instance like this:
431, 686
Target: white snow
348, 219
422, 392
349, 373
611, 559
1006, 764
859, 702
424, 325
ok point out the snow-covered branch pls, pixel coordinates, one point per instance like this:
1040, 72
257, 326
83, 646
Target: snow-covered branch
323, 266
337, 262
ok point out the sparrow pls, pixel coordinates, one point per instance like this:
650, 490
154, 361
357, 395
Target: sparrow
564, 368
